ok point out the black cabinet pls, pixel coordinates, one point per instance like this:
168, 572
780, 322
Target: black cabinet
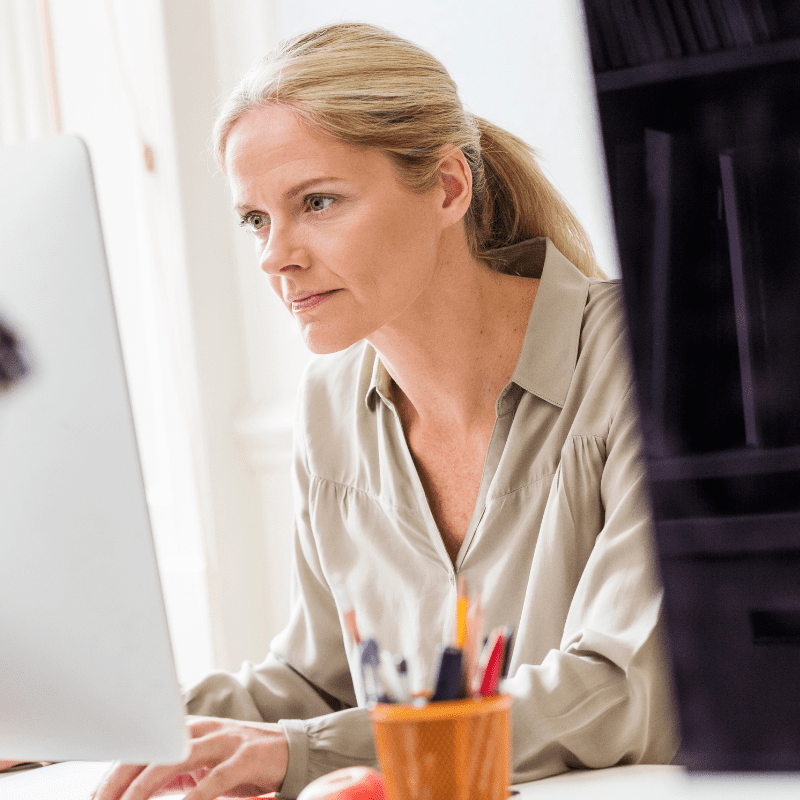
699, 104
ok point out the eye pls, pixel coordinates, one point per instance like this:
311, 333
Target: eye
319, 202
254, 221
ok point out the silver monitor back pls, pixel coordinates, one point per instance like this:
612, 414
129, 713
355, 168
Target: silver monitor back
86, 669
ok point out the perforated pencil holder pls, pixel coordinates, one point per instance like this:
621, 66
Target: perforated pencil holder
453, 750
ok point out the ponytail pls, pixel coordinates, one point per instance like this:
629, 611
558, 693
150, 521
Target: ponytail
520, 203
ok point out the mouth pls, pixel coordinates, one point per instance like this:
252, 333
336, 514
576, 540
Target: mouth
307, 300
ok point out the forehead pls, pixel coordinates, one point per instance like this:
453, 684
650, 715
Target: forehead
271, 147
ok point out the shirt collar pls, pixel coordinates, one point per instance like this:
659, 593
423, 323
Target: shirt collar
381, 382
550, 350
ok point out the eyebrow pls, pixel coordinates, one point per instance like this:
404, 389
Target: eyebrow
294, 191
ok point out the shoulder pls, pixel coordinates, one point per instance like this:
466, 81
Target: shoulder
603, 329
602, 378
604, 306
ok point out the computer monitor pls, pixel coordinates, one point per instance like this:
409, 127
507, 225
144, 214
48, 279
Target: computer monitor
86, 668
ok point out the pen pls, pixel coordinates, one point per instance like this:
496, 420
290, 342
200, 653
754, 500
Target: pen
449, 674
370, 672
487, 676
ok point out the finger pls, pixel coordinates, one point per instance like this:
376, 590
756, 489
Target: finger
184, 782
117, 781
154, 778
200, 726
223, 780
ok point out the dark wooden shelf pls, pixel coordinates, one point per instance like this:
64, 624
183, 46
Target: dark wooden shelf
729, 536
726, 464
721, 61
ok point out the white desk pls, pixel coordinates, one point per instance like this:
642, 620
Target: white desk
76, 780
72, 780
661, 783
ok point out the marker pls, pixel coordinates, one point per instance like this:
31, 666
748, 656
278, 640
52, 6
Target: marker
449, 674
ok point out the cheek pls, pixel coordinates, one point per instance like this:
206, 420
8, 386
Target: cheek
384, 255
275, 285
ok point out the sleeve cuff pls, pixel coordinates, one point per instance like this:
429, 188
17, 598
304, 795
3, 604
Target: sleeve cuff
297, 770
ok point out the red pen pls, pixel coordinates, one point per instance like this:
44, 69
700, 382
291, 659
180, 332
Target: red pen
491, 676
487, 677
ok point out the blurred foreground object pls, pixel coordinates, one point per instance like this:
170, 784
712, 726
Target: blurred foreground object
12, 365
351, 783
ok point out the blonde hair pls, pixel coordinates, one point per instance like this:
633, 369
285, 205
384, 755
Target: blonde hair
370, 88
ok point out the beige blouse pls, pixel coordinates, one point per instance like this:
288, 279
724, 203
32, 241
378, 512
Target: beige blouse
559, 545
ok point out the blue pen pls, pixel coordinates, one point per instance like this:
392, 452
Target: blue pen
370, 672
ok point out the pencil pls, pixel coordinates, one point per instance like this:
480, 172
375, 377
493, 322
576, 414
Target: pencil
462, 607
472, 648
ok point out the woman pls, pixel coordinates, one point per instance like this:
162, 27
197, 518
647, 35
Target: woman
476, 420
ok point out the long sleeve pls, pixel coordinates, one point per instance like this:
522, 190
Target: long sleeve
603, 697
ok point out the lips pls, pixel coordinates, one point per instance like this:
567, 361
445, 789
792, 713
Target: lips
307, 300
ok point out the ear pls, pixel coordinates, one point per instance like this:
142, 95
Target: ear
455, 180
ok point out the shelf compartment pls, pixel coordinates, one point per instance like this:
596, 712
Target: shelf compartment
729, 537
727, 464
721, 61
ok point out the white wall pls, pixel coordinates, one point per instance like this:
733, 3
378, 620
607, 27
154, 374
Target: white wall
23, 88
110, 69
146, 72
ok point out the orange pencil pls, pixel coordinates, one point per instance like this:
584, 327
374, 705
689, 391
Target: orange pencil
472, 648
462, 607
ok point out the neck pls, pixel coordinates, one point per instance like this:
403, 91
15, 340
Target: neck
455, 349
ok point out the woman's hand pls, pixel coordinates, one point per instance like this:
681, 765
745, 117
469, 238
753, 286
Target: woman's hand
9, 764
227, 758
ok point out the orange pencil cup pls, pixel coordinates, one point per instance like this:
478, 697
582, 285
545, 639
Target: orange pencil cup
453, 750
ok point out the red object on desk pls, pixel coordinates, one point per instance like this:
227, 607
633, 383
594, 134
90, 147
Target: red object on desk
350, 783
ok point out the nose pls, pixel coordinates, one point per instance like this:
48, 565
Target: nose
282, 253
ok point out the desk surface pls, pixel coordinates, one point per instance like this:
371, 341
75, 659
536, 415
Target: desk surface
649, 782
76, 781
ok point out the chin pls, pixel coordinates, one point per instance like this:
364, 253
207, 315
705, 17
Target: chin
325, 345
